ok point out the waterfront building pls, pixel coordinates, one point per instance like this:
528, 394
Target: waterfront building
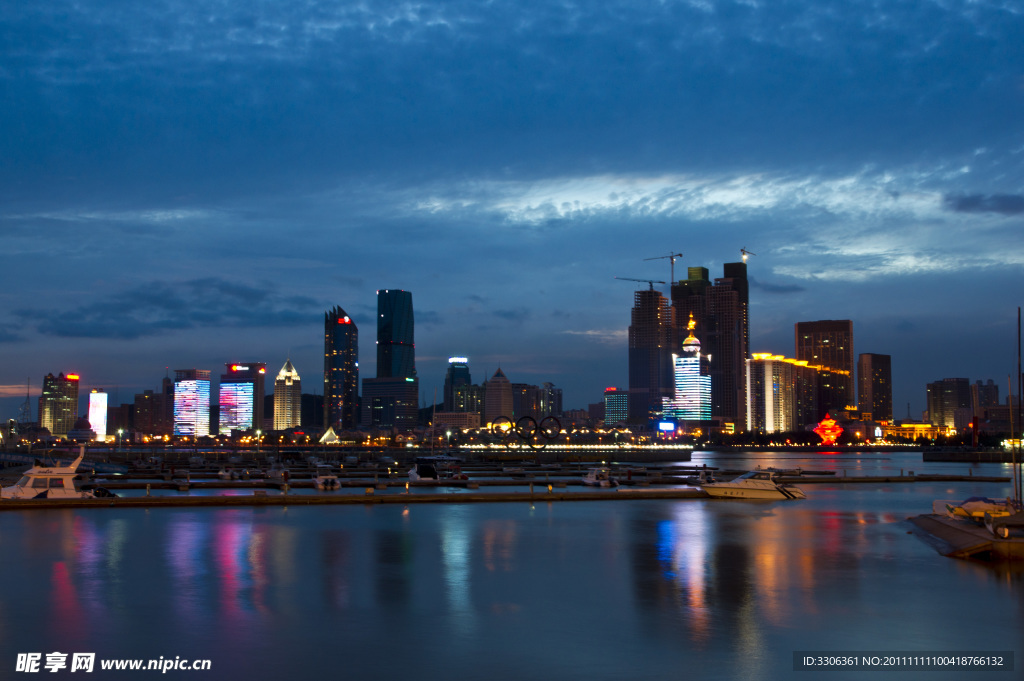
241, 397
390, 402
616, 406
497, 397
456, 377
984, 394
287, 398
457, 419
874, 387
192, 402
468, 398
341, 371
771, 394
721, 311
396, 349
550, 400
58, 405
692, 398
651, 334
98, 413
949, 403
829, 343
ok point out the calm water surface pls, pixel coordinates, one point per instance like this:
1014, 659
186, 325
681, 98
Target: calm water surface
638, 589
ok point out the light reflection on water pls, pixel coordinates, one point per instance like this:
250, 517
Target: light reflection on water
651, 589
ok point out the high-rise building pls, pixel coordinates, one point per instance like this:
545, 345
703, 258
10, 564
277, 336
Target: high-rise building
985, 394
242, 388
341, 370
497, 397
58, 405
287, 398
616, 406
456, 377
469, 398
550, 400
949, 403
651, 334
192, 402
98, 413
692, 398
771, 394
829, 343
392, 398
721, 311
874, 386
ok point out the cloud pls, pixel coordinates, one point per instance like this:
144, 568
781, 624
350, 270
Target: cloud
158, 307
615, 337
1005, 204
517, 315
776, 288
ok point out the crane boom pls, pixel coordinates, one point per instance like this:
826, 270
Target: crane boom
652, 282
672, 263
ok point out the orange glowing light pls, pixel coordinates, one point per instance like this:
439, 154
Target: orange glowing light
828, 430
73, 377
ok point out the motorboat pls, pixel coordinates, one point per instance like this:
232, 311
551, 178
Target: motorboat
228, 473
600, 477
753, 485
325, 479
52, 482
975, 508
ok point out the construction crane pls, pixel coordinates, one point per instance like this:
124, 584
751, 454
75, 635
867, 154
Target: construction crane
672, 260
745, 253
652, 282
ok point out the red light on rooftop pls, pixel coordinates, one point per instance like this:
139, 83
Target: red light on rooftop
73, 377
344, 320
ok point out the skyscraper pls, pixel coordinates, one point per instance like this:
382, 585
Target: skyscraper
456, 377
98, 414
949, 402
58, 405
829, 343
391, 400
341, 370
498, 397
721, 311
241, 397
692, 398
874, 386
192, 402
651, 334
287, 398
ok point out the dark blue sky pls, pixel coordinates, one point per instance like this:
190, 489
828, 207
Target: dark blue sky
185, 184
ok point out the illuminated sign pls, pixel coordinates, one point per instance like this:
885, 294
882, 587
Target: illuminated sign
72, 377
666, 426
239, 367
236, 407
98, 413
458, 360
344, 320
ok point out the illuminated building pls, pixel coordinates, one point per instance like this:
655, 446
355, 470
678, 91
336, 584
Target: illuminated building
616, 406
721, 311
497, 397
287, 398
391, 400
241, 397
456, 377
550, 400
651, 334
874, 386
829, 342
469, 398
192, 402
949, 403
341, 370
782, 393
692, 399
58, 405
98, 413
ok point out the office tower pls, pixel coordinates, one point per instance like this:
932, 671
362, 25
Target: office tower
287, 398
616, 406
456, 377
829, 343
58, 405
949, 403
396, 350
987, 394
391, 400
692, 398
469, 398
497, 397
98, 413
771, 394
651, 334
241, 397
550, 400
874, 386
146, 414
721, 311
341, 370
192, 402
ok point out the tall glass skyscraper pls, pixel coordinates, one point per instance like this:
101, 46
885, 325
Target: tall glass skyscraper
58, 405
692, 400
396, 351
287, 398
456, 377
192, 402
241, 397
341, 370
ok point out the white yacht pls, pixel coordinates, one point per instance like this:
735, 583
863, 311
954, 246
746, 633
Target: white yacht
753, 485
325, 479
52, 482
600, 477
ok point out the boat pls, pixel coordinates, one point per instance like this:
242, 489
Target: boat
753, 485
228, 473
974, 508
435, 468
52, 482
1002, 525
325, 479
600, 477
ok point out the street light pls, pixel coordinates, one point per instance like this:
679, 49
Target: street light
119, 431
258, 433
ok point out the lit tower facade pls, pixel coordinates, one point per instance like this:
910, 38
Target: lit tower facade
98, 414
456, 377
192, 402
341, 370
58, 405
692, 400
829, 342
241, 397
287, 398
874, 386
391, 400
651, 333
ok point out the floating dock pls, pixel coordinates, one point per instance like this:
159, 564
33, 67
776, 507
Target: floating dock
965, 539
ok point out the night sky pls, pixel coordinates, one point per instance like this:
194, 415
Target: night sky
189, 183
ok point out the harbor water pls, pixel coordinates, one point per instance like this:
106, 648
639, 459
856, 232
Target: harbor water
630, 589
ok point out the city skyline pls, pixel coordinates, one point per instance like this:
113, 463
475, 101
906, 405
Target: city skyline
187, 184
